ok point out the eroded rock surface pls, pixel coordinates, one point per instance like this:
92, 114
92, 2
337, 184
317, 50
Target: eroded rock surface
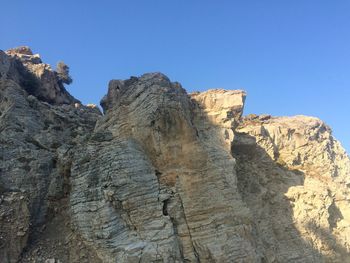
14, 225
162, 176
36, 139
164, 191
295, 175
36, 77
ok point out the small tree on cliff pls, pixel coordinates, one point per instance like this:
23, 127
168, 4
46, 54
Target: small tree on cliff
63, 73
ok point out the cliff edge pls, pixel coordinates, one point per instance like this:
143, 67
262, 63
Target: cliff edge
162, 175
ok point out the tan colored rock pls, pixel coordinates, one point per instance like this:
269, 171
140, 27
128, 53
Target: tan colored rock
163, 189
222, 107
22, 50
37, 78
294, 175
303, 143
162, 176
218, 112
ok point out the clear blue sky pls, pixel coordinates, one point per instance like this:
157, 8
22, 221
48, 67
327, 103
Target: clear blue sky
292, 57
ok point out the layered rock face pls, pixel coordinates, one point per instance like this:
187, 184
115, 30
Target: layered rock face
36, 141
162, 175
164, 188
294, 175
37, 78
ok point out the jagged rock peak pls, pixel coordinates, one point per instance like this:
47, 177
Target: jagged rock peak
131, 88
177, 169
35, 77
162, 176
300, 142
227, 104
25, 50
24, 54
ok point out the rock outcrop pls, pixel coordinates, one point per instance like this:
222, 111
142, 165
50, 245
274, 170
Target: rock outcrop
36, 138
161, 185
295, 176
162, 176
35, 77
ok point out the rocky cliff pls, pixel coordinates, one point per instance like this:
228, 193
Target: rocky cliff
162, 175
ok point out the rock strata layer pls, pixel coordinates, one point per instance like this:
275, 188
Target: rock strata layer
162, 175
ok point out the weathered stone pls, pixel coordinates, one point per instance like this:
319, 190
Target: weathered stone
36, 138
22, 50
222, 107
35, 77
150, 182
162, 176
14, 225
295, 176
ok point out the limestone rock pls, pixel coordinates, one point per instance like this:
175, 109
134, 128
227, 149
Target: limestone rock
294, 175
22, 50
223, 107
150, 182
14, 225
35, 77
162, 176
36, 139
218, 112
4, 65
303, 143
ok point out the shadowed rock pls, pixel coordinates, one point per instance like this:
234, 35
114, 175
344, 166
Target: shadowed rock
35, 77
162, 176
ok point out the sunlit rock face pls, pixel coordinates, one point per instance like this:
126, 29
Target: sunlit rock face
295, 175
162, 175
164, 187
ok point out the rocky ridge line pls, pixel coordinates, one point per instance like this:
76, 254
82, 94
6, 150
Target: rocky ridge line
162, 176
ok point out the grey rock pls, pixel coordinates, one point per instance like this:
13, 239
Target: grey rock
162, 176
35, 77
